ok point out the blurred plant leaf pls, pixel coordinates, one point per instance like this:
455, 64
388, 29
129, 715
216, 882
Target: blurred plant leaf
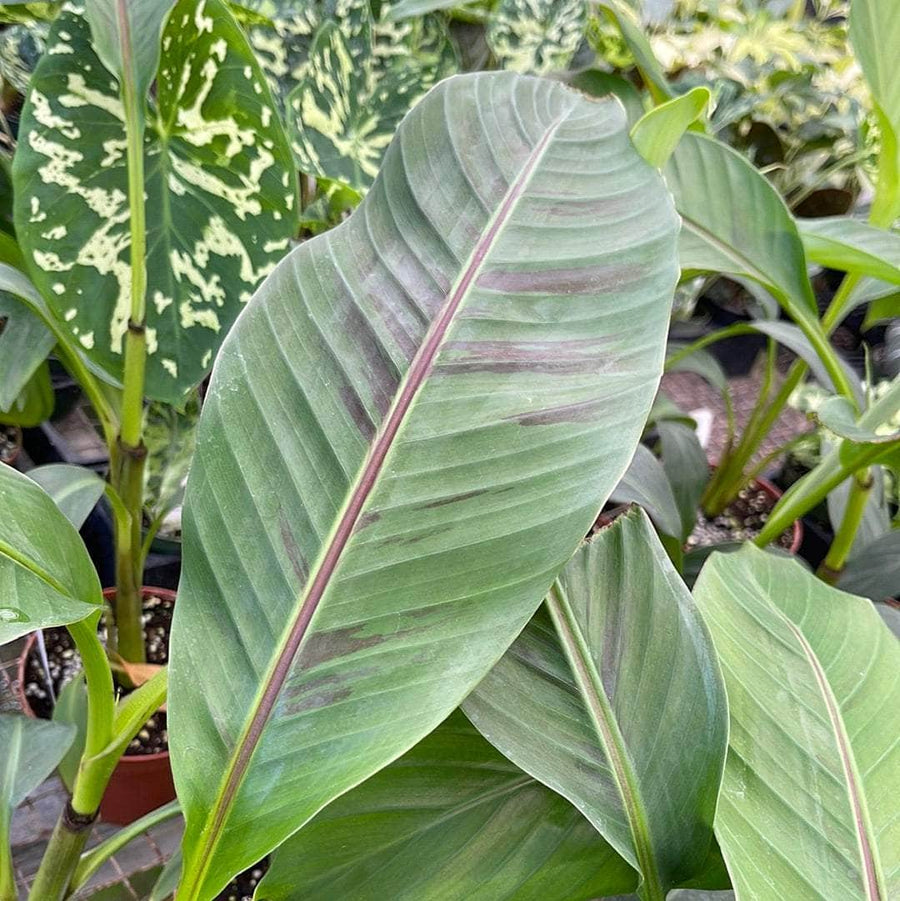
658, 131
537, 36
646, 483
74, 489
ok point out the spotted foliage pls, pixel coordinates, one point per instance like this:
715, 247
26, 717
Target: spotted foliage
219, 189
537, 36
347, 78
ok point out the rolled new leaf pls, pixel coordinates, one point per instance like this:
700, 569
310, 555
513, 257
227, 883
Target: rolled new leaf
46, 575
407, 434
612, 696
808, 805
452, 820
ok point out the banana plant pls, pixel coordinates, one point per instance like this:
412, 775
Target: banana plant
432, 463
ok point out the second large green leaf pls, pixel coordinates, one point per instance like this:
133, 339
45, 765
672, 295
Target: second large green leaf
808, 806
612, 696
219, 192
408, 433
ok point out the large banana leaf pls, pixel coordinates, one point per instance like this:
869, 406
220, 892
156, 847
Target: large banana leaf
46, 575
407, 434
735, 222
219, 192
808, 807
452, 820
612, 696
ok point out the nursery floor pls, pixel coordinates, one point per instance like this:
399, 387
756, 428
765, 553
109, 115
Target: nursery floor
128, 875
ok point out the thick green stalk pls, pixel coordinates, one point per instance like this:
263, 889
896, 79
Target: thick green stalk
810, 491
61, 857
74, 825
131, 454
7, 879
129, 571
834, 562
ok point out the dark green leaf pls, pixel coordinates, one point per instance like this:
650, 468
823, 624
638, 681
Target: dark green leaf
74, 489
645, 483
687, 468
612, 696
452, 820
874, 570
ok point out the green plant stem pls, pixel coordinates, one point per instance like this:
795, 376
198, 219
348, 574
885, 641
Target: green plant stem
735, 476
96, 857
74, 824
807, 494
129, 483
834, 562
130, 452
8, 890
61, 857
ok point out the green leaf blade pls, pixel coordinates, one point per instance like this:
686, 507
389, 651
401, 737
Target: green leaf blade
471, 825
598, 698
477, 315
807, 668
735, 222
657, 133
46, 576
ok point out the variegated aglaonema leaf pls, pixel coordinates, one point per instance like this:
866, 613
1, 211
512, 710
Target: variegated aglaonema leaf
612, 696
408, 433
346, 78
357, 86
219, 192
538, 36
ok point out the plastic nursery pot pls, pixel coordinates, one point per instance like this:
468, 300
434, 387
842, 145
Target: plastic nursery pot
10, 444
797, 528
141, 782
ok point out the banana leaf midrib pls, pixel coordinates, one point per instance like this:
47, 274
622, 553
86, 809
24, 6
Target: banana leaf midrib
361, 489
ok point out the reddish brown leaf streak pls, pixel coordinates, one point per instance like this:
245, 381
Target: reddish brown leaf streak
353, 512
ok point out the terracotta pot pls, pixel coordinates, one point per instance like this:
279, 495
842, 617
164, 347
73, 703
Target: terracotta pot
139, 783
776, 493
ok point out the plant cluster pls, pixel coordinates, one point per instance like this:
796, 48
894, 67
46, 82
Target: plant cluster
418, 652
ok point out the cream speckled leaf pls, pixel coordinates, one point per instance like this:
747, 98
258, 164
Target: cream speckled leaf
536, 35
219, 186
360, 81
